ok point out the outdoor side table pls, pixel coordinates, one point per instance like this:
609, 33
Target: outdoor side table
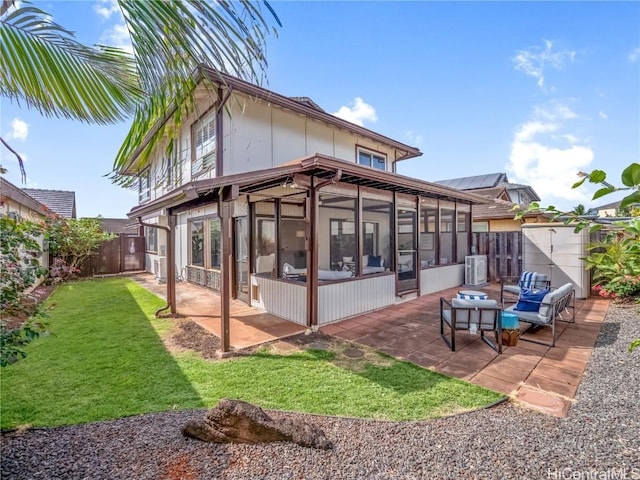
472, 295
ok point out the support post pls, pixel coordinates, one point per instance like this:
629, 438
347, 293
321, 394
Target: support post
225, 272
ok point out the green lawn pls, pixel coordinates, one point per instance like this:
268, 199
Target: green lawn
106, 360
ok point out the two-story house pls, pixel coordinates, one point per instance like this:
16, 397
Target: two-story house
273, 201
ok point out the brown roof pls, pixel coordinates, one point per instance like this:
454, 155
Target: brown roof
497, 209
302, 105
18, 195
118, 225
319, 166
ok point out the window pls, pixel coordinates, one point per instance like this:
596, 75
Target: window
204, 244
151, 239
144, 186
338, 213
377, 221
447, 229
480, 226
428, 233
463, 228
264, 238
196, 232
371, 159
204, 144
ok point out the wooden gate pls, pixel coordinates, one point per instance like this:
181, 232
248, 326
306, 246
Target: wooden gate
503, 251
122, 254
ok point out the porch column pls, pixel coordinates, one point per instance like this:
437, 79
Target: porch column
225, 272
312, 257
171, 263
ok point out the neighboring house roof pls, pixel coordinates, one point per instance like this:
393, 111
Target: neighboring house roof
489, 180
491, 184
319, 166
61, 202
608, 206
118, 225
498, 209
302, 105
10, 191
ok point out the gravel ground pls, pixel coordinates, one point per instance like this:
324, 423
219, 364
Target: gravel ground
599, 437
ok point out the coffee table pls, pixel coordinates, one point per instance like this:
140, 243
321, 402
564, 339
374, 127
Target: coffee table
472, 295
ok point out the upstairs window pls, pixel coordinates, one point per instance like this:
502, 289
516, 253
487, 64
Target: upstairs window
144, 186
203, 154
372, 159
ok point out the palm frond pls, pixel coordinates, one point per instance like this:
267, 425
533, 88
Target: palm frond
47, 69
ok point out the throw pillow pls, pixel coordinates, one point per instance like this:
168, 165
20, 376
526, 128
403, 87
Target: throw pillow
529, 301
374, 261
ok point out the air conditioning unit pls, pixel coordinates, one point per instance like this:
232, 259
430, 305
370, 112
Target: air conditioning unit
160, 269
475, 270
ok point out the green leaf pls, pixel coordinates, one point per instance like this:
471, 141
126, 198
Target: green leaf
630, 199
631, 175
602, 192
597, 176
579, 182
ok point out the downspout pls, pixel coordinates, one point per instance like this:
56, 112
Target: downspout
171, 291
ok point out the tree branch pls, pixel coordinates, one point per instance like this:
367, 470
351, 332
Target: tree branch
20, 161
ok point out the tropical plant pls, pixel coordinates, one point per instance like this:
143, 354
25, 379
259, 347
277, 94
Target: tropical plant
579, 209
44, 66
75, 240
19, 270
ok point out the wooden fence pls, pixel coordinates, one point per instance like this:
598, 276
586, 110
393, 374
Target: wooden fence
122, 254
503, 251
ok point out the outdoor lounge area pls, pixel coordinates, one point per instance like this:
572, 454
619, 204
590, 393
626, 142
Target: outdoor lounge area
542, 377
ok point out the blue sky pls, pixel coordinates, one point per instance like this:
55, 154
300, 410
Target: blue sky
538, 90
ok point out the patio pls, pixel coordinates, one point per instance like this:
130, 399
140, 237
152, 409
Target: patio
537, 376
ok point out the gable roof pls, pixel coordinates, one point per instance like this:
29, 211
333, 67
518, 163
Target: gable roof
18, 195
488, 180
499, 209
302, 105
61, 202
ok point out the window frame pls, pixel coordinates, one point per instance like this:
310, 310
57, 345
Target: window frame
198, 164
372, 154
151, 240
144, 186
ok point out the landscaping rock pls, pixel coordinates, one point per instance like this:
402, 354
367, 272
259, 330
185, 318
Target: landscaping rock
235, 421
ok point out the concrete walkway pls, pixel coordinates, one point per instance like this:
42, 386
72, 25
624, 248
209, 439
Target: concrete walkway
248, 326
540, 377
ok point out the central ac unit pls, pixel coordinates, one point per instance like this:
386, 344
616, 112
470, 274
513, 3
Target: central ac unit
475, 270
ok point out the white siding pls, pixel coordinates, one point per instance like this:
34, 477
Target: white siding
283, 299
346, 299
435, 279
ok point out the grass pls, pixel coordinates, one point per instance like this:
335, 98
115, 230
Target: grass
106, 360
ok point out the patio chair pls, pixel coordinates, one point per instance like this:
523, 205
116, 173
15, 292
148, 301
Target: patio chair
474, 316
556, 303
529, 280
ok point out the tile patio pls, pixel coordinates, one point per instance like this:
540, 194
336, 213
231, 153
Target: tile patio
537, 376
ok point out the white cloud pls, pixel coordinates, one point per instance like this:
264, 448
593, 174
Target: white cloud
535, 60
548, 159
106, 8
634, 56
19, 130
357, 112
414, 138
603, 115
118, 36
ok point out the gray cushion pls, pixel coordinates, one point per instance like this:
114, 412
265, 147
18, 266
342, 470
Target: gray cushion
485, 319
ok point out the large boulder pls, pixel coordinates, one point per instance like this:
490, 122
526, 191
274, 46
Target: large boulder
235, 421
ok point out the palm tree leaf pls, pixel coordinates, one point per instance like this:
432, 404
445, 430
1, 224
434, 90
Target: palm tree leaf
44, 66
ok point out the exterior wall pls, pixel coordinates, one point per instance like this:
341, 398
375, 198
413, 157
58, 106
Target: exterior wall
259, 136
435, 279
9, 205
504, 225
345, 299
